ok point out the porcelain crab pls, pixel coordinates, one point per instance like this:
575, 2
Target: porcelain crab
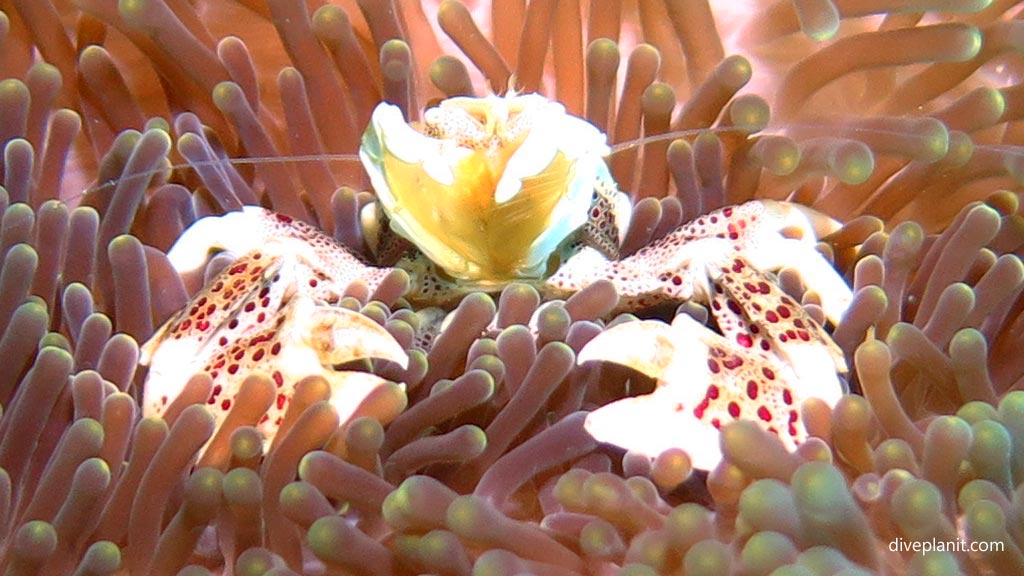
489, 191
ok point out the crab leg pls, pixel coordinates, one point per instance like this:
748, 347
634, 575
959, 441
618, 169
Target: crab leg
254, 229
767, 234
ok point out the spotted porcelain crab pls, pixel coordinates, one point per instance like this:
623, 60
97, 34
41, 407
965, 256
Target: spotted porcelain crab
490, 191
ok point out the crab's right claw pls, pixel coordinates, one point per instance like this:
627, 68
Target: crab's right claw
784, 237
336, 336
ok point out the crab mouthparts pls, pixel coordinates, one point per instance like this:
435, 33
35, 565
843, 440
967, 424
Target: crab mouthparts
490, 188
492, 239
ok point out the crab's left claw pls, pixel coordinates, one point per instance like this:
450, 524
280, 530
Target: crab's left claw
704, 381
663, 419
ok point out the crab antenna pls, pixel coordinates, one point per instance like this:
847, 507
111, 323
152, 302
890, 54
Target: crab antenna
616, 148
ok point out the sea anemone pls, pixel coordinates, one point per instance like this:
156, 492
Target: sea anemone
123, 123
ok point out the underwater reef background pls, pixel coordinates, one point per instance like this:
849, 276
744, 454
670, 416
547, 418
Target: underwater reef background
123, 122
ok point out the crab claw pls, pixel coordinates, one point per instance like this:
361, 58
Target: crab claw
264, 313
304, 339
704, 381
784, 237
653, 347
650, 425
655, 422
339, 335
752, 312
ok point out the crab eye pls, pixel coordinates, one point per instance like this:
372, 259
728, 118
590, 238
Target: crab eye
485, 209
